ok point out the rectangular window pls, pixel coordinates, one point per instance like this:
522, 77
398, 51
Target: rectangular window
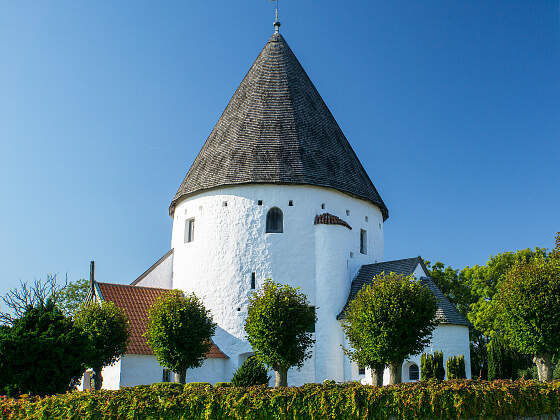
361, 370
166, 376
189, 230
363, 241
312, 329
253, 281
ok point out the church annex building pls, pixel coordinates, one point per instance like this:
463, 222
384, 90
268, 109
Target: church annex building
276, 192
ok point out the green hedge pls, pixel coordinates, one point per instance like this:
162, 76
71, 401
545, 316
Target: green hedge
450, 400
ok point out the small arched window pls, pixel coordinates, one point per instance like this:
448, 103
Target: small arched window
413, 372
274, 221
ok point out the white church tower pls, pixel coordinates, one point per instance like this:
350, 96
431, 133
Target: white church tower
276, 192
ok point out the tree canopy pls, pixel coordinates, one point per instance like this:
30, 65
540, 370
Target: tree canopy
527, 308
278, 326
388, 320
41, 353
179, 331
107, 329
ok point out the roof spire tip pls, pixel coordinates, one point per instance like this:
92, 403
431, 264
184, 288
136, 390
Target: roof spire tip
276, 21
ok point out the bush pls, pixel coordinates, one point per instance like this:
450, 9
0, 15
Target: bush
431, 366
222, 384
420, 400
250, 373
456, 367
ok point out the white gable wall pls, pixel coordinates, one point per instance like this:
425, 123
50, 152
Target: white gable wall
160, 275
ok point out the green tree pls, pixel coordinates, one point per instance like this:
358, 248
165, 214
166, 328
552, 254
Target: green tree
388, 320
107, 329
179, 331
278, 325
431, 366
527, 308
456, 367
251, 372
41, 353
71, 296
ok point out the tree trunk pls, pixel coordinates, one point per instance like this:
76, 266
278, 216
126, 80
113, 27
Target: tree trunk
544, 367
181, 377
281, 377
97, 378
395, 373
377, 374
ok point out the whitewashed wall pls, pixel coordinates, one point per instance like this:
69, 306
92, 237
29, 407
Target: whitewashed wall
451, 340
160, 275
230, 243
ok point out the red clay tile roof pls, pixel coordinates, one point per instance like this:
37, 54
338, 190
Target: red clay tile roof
136, 302
330, 219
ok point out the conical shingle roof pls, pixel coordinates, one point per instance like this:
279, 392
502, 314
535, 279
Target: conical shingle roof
277, 130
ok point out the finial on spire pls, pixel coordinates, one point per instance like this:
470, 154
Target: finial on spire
276, 21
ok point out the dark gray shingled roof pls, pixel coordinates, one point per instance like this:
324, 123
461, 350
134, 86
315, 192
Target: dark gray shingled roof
276, 129
446, 313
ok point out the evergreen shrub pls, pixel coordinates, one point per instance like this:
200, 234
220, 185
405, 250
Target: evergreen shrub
456, 367
431, 366
457, 399
251, 372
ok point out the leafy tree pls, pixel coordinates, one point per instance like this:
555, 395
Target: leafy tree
41, 352
431, 366
71, 297
389, 319
179, 331
456, 367
107, 329
251, 372
528, 310
278, 326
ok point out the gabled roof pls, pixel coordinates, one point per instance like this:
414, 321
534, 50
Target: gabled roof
152, 268
136, 301
446, 313
277, 129
330, 219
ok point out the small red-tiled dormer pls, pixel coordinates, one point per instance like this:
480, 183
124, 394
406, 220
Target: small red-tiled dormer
135, 301
330, 219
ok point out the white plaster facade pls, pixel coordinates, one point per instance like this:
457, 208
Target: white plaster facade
230, 244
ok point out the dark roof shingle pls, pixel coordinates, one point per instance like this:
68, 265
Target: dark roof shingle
446, 313
136, 302
277, 129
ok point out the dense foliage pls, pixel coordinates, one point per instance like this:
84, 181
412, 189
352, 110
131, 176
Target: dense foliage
388, 320
71, 297
449, 400
107, 329
251, 372
472, 290
41, 352
456, 367
278, 325
179, 331
431, 366
528, 310
506, 363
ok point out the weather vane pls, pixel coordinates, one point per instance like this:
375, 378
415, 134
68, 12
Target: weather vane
276, 21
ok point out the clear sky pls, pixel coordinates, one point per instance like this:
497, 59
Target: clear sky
453, 108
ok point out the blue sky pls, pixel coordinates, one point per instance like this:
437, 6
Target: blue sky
453, 108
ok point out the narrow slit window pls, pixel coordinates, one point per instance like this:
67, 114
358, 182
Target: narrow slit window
367, 219
274, 221
189, 230
323, 206
253, 281
361, 370
347, 212
363, 241
259, 202
291, 203
224, 204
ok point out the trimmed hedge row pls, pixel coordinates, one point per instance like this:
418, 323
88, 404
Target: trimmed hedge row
449, 400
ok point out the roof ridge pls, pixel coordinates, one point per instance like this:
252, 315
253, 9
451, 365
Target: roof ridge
131, 286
